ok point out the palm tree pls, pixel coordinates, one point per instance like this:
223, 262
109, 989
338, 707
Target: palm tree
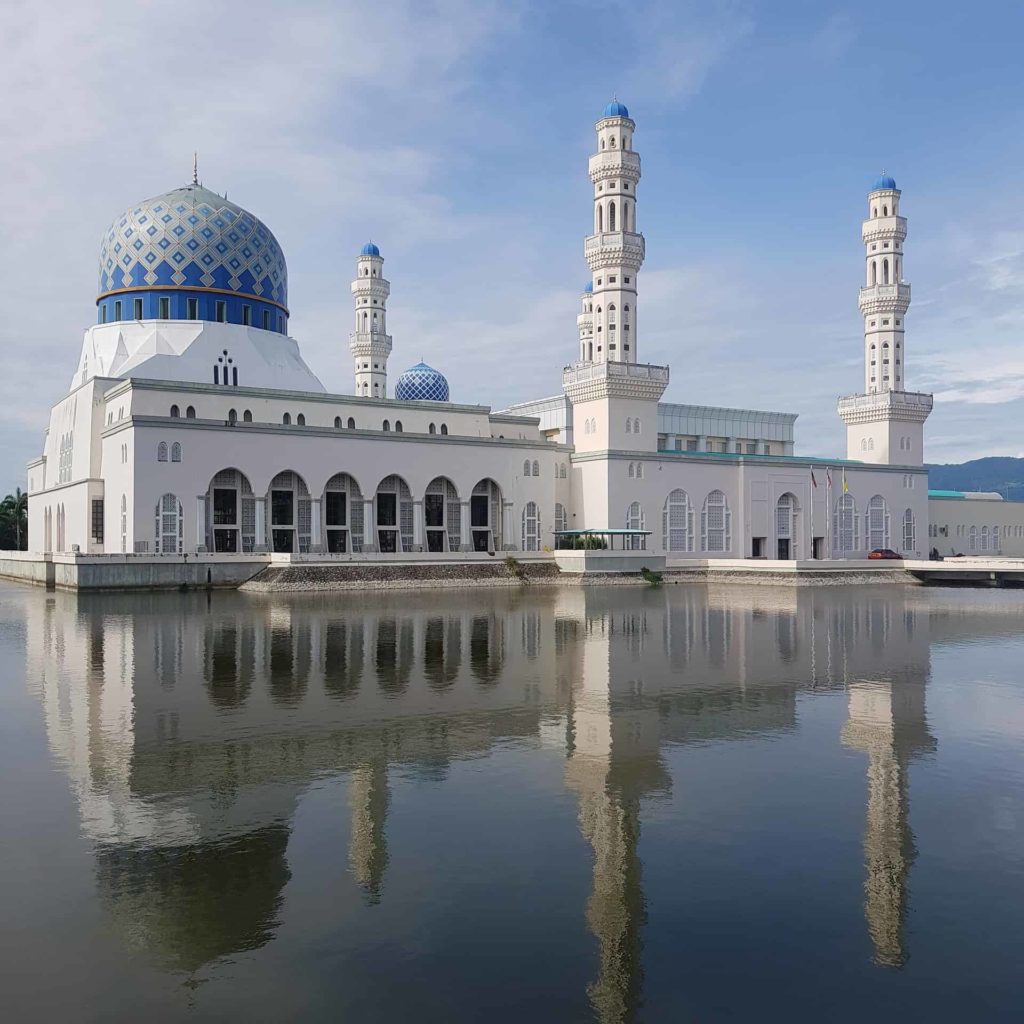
14, 521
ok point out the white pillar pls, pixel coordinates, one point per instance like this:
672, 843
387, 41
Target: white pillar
369, 527
200, 522
417, 525
508, 537
316, 543
465, 529
702, 443
261, 525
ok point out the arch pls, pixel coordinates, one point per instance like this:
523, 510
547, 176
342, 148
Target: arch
342, 510
909, 532
716, 523
536, 468
286, 419
169, 525
485, 516
531, 527
984, 538
885, 271
625, 215
393, 515
885, 211
230, 513
636, 426
611, 209
600, 211
562, 471
289, 513
444, 429
176, 452
175, 412
636, 520
398, 427
386, 425
432, 429
632, 470
874, 272
876, 523
190, 412
442, 516
677, 522
845, 524
247, 416
161, 452
973, 539
629, 425
526, 468
351, 423
787, 533
232, 417
561, 518
337, 423
300, 420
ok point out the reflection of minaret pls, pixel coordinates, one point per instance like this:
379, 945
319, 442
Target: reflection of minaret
887, 721
613, 763
368, 846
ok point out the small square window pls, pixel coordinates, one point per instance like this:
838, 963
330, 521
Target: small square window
612, 280
138, 309
165, 307
222, 311
193, 309
247, 315
626, 279
885, 323
117, 309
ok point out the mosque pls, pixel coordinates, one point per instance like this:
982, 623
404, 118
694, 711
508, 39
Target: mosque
193, 424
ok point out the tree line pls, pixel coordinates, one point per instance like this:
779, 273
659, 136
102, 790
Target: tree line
14, 521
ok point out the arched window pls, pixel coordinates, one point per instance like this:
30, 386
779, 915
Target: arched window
561, 471
432, 429
176, 452
337, 423
561, 519
398, 426
677, 522
169, 522
871, 444
629, 425
874, 272
444, 428
611, 212
600, 213
863, 444
636, 520
885, 211
232, 417
190, 413
876, 523
386, 425
786, 532
973, 539
586, 426
531, 527
612, 142
984, 538
300, 420
536, 468
625, 215
161, 452
636, 426
885, 271
632, 470
526, 468
716, 523
174, 412
247, 416
287, 419
351, 423
909, 532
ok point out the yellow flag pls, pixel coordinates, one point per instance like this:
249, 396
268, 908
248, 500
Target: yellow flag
845, 487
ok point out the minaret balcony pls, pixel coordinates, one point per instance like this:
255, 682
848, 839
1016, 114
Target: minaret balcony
614, 248
884, 229
884, 298
623, 163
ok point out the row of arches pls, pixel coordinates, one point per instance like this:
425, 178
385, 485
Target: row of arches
873, 529
607, 215
874, 277
300, 421
288, 519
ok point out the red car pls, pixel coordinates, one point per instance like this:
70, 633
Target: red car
883, 553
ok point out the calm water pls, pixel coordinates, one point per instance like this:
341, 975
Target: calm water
684, 804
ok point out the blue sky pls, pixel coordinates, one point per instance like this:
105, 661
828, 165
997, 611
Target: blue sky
456, 135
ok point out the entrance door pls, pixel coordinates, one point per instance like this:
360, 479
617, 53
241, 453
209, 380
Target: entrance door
387, 522
817, 543
480, 521
282, 520
433, 515
783, 553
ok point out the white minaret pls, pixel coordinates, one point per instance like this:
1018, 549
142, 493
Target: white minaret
885, 424
615, 251
884, 299
370, 343
585, 323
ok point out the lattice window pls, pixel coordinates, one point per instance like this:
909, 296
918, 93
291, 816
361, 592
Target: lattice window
716, 523
636, 520
909, 531
876, 521
169, 525
531, 527
561, 518
845, 524
677, 522
176, 452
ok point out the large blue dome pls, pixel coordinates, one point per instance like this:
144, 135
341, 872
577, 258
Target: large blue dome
369, 250
422, 383
191, 254
616, 109
883, 181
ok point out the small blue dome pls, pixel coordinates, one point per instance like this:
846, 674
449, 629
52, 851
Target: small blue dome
422, 383
369, 250
884, 181
589, 286
616, 109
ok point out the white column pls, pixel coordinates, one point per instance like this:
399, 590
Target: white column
417, 525
702, 443
200, 522
316, 543
369, 527
508, 535
465, 529
261, 524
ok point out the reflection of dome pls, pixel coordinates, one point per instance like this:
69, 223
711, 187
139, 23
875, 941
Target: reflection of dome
616, 109
884, 181
369, 250
192, 255
422, 383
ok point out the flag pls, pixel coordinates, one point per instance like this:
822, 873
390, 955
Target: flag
813, 481
845, 487
828, 478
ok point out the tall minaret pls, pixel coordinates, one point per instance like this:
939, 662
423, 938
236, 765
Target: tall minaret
885, 298
585, 324
615, 251
370, 343
885, 424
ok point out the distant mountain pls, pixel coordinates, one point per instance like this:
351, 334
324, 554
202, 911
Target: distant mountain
999, 473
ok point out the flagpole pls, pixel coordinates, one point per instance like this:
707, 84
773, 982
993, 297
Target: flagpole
814, 487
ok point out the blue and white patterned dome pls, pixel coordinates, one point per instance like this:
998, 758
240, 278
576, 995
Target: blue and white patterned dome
369, 250
589, 286
422, 383
615, 109
883, 181
191, 243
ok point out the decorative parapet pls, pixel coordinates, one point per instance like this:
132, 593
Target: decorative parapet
618, 163
904, 406
584, 382
614, 249
884, 298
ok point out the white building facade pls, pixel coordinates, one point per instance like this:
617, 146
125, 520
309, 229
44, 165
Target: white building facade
194, 424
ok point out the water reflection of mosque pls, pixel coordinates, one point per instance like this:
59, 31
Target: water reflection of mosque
190, 730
